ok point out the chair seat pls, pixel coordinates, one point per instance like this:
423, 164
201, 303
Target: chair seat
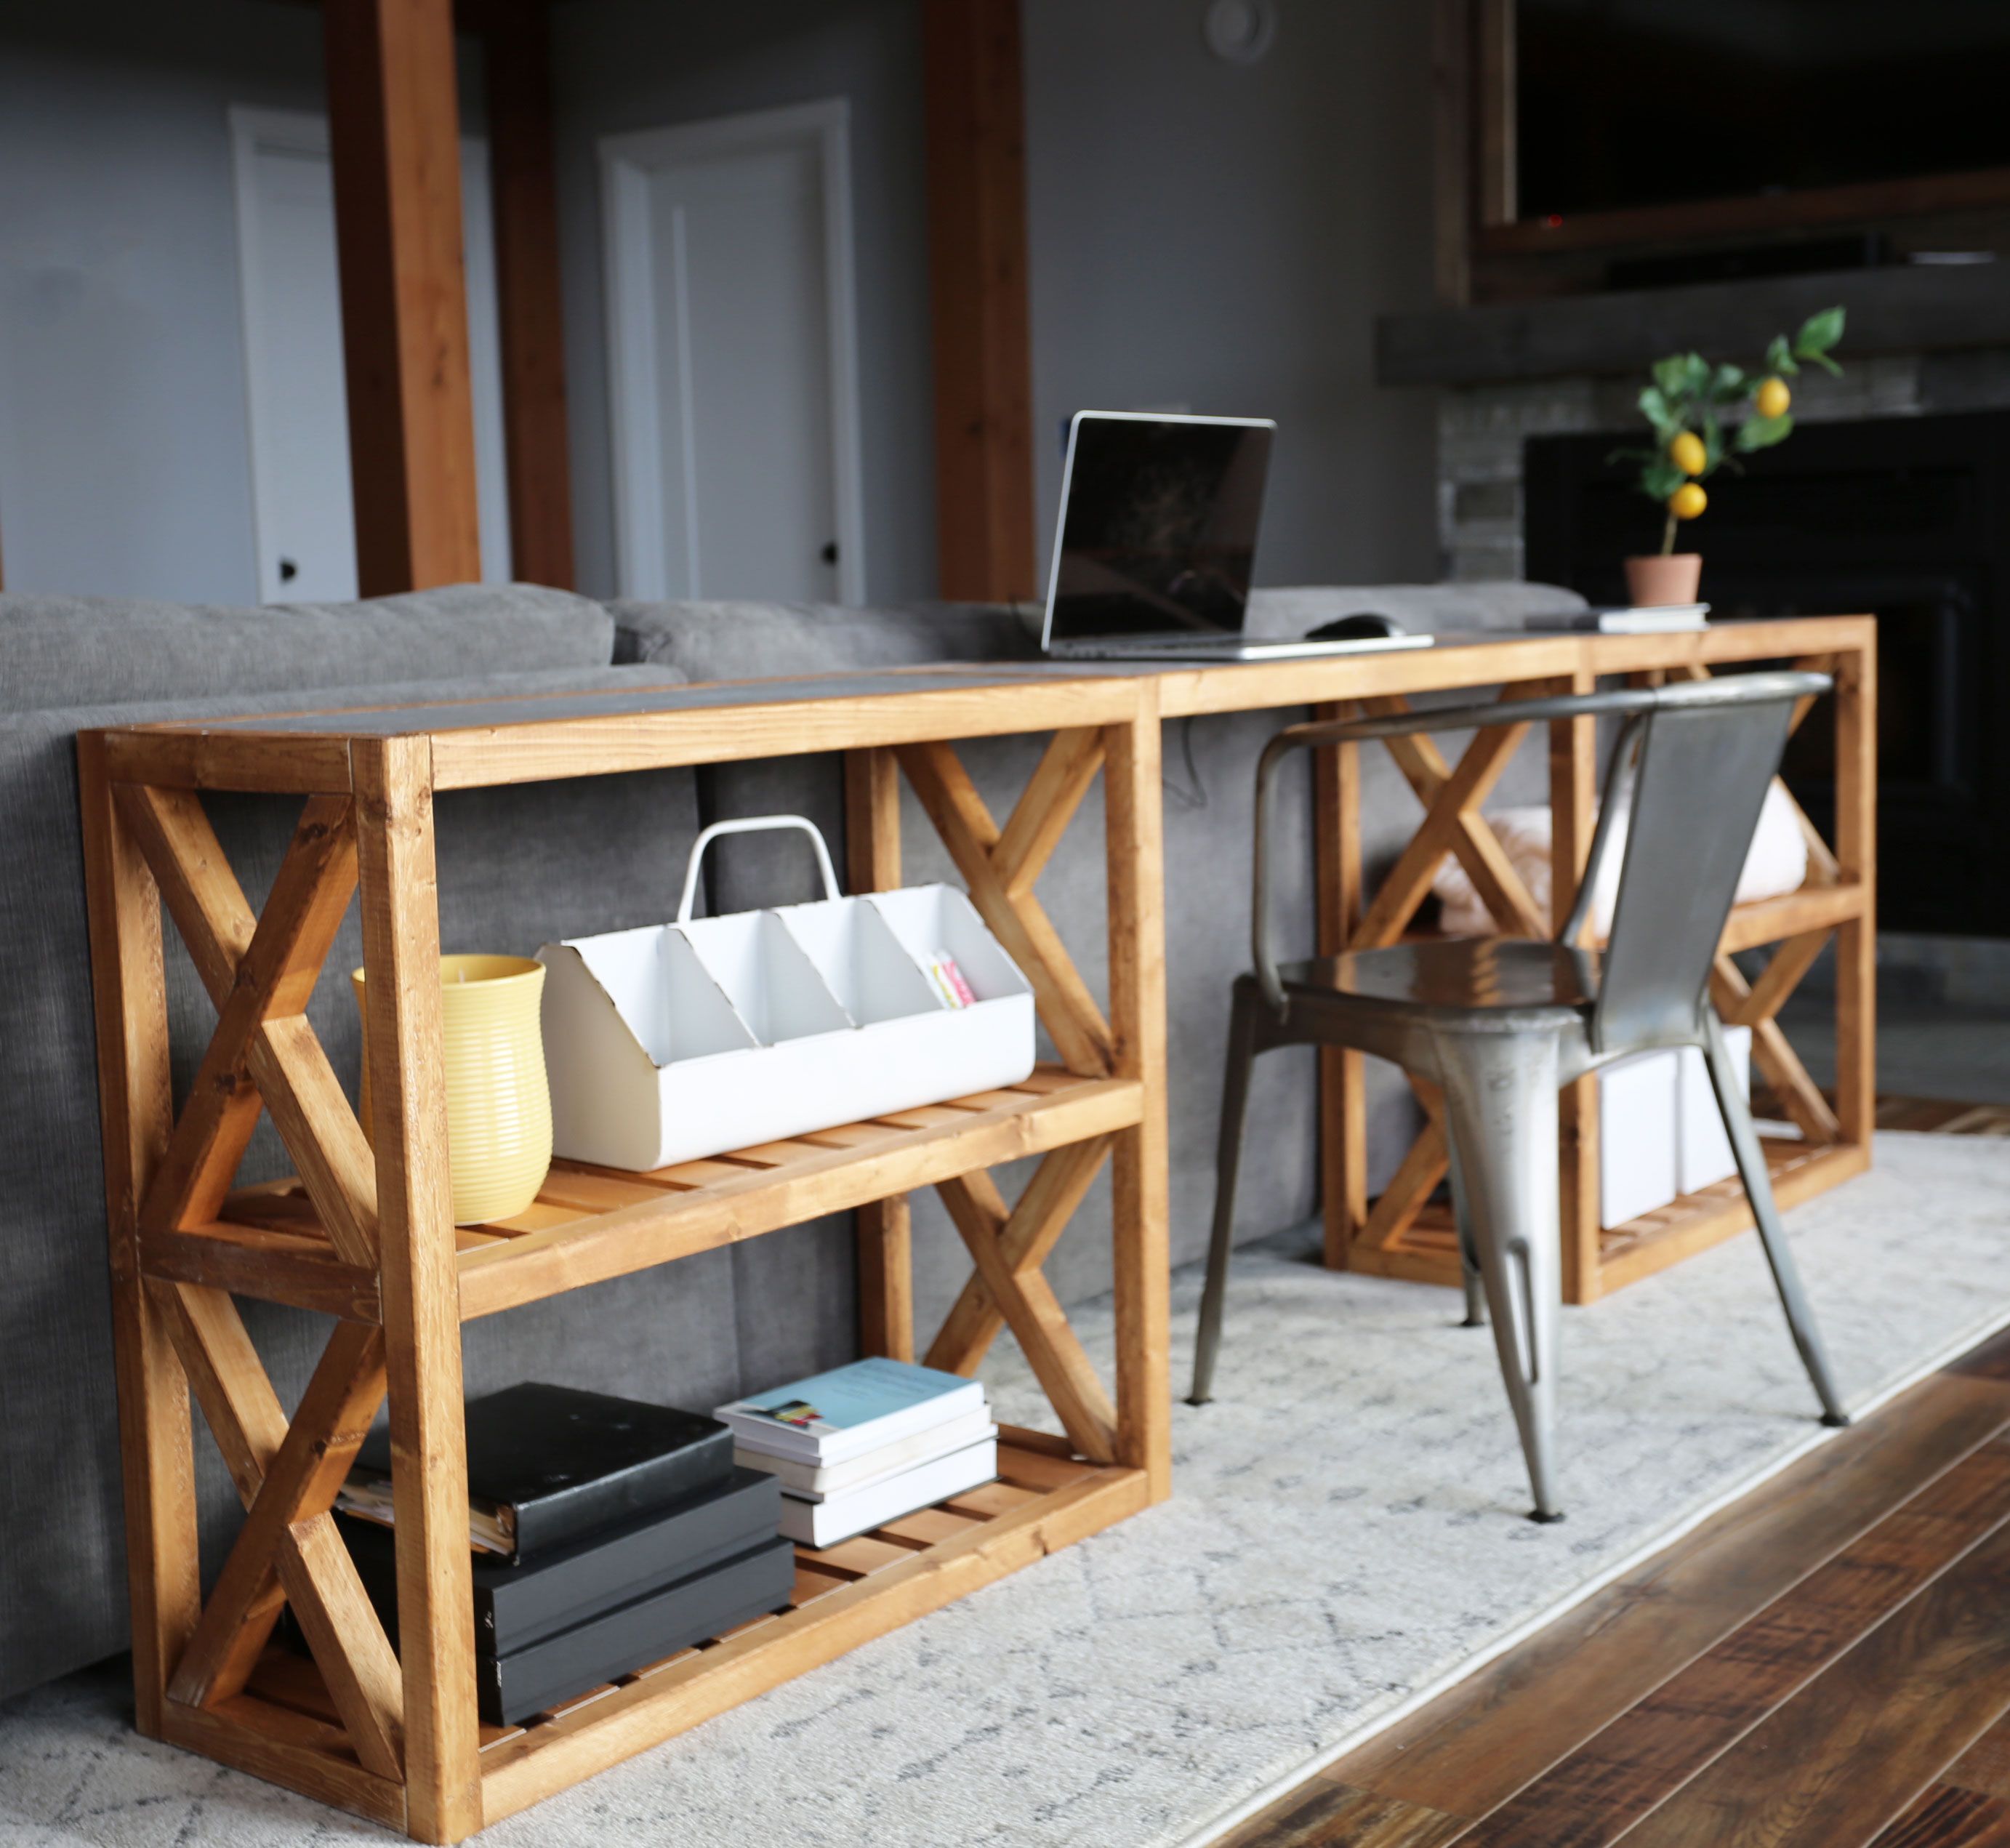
1456, 975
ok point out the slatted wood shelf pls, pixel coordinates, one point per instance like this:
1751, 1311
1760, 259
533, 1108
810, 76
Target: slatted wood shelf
1045, 1498
591, 1224
1691, 1223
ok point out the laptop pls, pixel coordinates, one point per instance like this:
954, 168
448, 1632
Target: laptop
1158, 534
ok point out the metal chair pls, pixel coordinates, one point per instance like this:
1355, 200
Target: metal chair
1501, 1025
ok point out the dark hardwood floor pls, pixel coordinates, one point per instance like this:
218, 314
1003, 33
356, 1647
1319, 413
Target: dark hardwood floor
1826, 1664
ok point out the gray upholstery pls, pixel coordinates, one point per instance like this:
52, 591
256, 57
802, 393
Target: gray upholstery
103, 651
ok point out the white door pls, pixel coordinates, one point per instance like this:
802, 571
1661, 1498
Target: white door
303, 514
733, 372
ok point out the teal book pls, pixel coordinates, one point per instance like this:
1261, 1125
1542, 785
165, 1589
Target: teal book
830, 1417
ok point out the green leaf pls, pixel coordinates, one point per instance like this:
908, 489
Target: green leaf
1780, 358
1727, 383
1763, 432
1631, 455
1660, 479
1713, 442
1818, 332
1669, 375
1827, 364
1654, 407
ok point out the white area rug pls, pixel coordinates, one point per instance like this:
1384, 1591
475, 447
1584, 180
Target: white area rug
1347, 1531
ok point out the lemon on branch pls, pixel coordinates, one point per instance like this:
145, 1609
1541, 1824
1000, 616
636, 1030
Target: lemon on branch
1688, 501
1771, 399
1687, 452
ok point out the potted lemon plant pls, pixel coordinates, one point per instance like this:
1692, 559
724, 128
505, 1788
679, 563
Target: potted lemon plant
1689, 402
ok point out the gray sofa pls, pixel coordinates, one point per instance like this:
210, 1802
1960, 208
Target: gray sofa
517, 867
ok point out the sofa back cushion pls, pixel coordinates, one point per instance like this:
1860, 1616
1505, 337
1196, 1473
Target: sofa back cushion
63, 651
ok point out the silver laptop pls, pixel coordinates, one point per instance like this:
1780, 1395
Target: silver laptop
1157, 535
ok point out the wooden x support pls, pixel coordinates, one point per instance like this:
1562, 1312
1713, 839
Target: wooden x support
1000, 866
260, 972
1452, 824
1009, 1291
288, 1550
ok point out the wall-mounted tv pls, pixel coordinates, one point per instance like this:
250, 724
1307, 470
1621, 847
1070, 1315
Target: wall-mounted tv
1626, 104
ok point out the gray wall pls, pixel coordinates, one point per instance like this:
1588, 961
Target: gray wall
1202, 234
622, 66
124, 465
1222, 237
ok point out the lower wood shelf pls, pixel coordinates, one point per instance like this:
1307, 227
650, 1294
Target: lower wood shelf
1428, 1250
285, 1728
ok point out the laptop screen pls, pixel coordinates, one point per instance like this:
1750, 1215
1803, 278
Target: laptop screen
1158, 518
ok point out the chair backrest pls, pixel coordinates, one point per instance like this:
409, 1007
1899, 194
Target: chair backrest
1708, 750
1706, 756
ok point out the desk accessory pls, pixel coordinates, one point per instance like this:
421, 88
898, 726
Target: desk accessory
678, 1041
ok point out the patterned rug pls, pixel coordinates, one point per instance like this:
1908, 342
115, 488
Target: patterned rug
1346, 1535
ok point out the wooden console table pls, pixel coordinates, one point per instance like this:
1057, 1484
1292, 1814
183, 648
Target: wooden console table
368, 1237
1402, 1234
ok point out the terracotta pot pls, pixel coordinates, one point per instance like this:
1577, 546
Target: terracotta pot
1670, 577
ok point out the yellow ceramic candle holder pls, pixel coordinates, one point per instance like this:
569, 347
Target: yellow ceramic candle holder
498, 1102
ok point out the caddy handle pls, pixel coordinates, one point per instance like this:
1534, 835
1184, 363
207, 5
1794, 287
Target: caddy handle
752, 824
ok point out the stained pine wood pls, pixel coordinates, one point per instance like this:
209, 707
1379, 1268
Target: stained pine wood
959, 1555
1856, 860
1403, 1233
1026, 1301
1134, 851
885, 1231
515, 38
832, 1174
420, 1286
395, 1738
1343, 1101
1024, 1241
135, 1110
974, 121
394, 136
1066, 1008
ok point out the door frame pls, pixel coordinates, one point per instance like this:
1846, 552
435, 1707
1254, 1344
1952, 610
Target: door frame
634, 405
254, 130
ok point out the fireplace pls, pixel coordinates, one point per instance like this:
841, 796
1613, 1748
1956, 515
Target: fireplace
1908, 518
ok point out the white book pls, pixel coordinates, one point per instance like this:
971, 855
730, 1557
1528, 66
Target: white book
833, 1417
839, 1517
814, 1482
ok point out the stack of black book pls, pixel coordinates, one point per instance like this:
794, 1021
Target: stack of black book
607, 1535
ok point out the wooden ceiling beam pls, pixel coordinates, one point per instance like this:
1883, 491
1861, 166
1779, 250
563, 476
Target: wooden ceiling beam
394, 134
976, 128
523, 160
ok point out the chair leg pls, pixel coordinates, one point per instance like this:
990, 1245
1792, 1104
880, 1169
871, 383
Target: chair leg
1758, 1179
1228, 1160
1468, 1258
1500, 1112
